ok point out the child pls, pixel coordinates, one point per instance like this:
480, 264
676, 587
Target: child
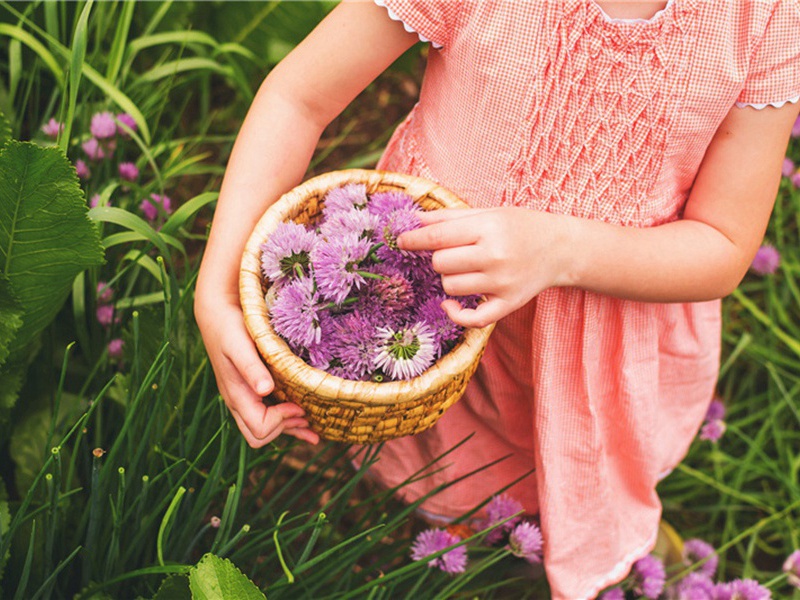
622, 159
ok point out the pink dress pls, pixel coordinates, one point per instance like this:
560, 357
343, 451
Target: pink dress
554, 106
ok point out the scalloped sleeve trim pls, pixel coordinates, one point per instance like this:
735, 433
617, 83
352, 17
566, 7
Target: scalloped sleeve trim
395, 17
779, 104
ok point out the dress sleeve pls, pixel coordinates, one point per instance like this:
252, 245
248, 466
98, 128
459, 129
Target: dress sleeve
431, 20
774, 73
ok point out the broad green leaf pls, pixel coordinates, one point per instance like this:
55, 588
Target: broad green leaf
12, 376
175, 587
46, 238
216, 578
5, 130
10, 317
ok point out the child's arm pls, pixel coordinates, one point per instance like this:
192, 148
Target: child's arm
298, 99
512, 254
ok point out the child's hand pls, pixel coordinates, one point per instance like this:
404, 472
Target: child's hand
243, 379
507, 254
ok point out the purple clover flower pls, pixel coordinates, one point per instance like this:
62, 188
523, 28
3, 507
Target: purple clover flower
97, 150
82, 169
713, 430
433, 540
286, 253
52, 128
104, 293
393, 295
338, 266
94, 201
382, 204
766, 260
126, 120
149, 207
649, 576
791, 566
115, 348
695, 586
500, 508
695, 550
788, 168
103, 125
741, 589
716, 410
525, 541
405, 352
445, 331
295, 313
613, 594
105, 315
128, 171
349, 197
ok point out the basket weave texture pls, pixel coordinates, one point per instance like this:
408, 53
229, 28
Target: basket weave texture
340, 409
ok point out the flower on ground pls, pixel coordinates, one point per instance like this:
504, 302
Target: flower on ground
766, 260
649, 576
82, 169
434, 540
525, 541
295, 313
105, 314
126, 120
150, 206
338, 265
115, 348
405, 352
695, 586
613, 594
716, 410
52, 128
500, 508
285, 254
791, 567
103, 125
741, 589
104, 293
788, 168
712, 431
695, 550
128, 171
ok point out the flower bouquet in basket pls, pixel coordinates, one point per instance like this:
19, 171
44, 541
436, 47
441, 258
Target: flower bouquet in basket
349, 325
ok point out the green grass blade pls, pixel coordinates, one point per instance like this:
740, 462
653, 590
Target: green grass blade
31, 42
117, 51
75, 72
183, 65
187, 210
118, 216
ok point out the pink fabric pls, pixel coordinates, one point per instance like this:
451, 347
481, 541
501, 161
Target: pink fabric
553, 106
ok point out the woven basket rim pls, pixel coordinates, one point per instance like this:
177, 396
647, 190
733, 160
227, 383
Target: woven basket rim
276, 351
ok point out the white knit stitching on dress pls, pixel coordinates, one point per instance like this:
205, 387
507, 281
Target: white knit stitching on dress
763, 106
611, 19
394, 17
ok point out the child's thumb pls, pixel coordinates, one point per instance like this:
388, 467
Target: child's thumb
248, 363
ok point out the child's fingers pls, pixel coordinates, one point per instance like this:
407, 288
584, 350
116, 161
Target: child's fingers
247, 361
445, 234
463, 259
303, 433
446, 214
466, 284
485, 314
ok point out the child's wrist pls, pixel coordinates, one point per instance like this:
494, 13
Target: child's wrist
570, 255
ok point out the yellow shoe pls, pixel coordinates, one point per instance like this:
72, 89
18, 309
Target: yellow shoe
669, 544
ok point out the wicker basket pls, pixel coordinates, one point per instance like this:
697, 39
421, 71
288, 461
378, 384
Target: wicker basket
340, 409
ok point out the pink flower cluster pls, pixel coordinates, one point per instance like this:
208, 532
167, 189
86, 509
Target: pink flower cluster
714, 425
522, 538
107, 317
766, 261
349, 301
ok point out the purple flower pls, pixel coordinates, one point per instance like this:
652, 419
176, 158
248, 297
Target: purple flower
295, 313
741, 589
613, 594
150, 207
795, 179
525, 541
354, 342
104, 293
434, 540
445, 331
103, 125
695, 586
716, 410
349, 197
391, 296
382, 204
712, 431
405, 352
94, 201
105, 315
95, 150
766, 260
338, 265
649, 576
128, 171
82, 169
115, 348
286, 253
52, 128
695, 550
409, 262
126, 120
796, 128
357, 222
788, 167
500, 508
791, 567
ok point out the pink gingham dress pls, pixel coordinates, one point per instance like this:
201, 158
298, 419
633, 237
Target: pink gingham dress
554, 106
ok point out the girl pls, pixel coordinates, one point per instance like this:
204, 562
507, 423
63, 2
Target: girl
622, 159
